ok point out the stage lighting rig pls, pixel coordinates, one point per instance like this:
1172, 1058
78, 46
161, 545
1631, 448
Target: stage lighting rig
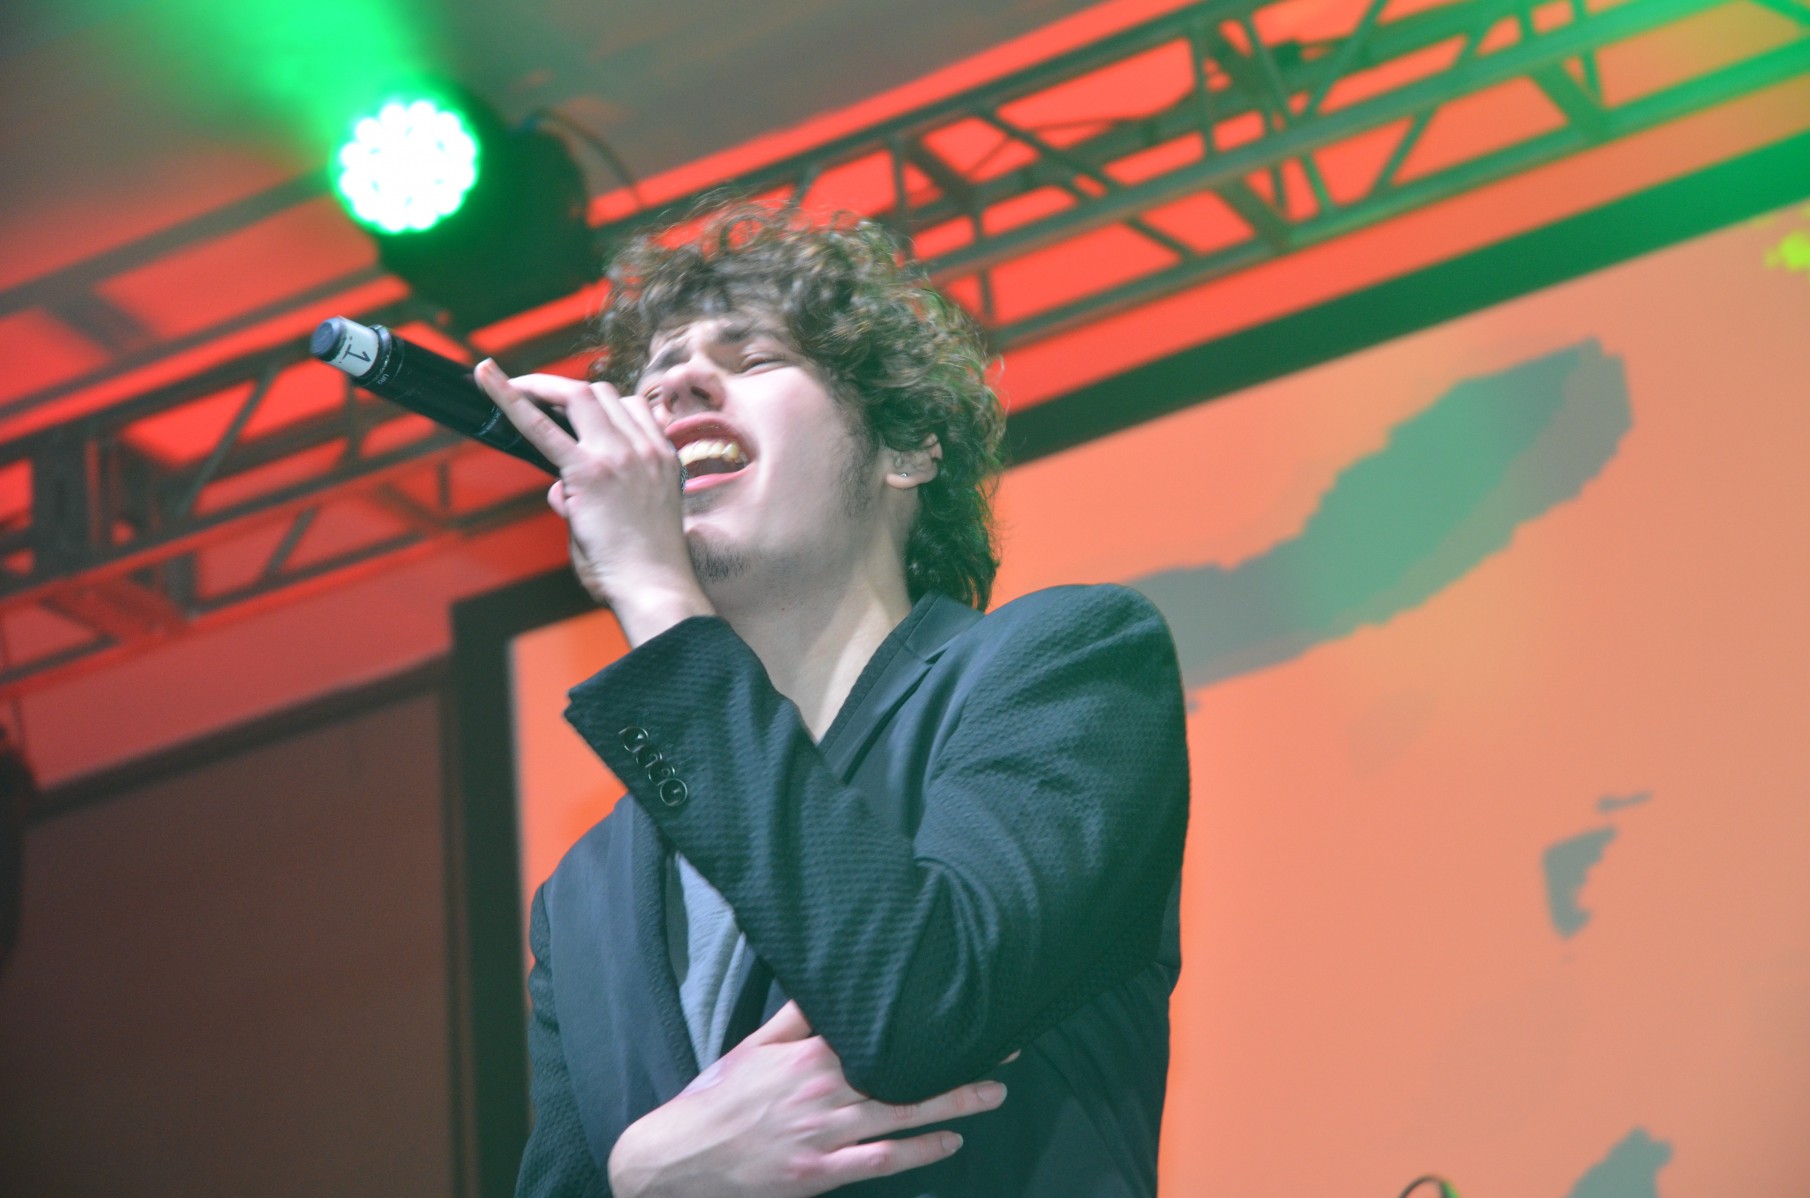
477, 217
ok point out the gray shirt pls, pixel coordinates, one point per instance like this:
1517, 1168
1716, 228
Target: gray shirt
710, 956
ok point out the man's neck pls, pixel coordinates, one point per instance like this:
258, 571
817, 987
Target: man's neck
814, 644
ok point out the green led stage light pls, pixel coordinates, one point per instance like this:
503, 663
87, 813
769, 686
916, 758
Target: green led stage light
408, 166
482, 219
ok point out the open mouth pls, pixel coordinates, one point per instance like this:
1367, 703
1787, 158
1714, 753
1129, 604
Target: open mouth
711, 458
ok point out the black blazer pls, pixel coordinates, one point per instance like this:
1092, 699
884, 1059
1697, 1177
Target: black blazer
983, 854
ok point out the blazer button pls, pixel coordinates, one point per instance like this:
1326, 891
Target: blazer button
647, 757
660, 771
633, 737
673, 792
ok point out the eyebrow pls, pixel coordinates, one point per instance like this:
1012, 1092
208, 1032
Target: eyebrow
738, 333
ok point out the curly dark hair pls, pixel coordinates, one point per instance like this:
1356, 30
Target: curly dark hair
903, 359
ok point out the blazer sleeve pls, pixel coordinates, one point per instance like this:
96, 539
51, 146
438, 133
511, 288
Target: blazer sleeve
1051, 837
557, 1162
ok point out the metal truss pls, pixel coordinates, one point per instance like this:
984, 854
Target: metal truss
117, 548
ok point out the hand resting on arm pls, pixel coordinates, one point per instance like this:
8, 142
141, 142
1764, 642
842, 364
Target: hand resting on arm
775, 1118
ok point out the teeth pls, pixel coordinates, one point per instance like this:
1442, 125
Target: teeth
698, 451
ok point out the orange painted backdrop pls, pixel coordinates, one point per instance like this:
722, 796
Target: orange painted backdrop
1499, 674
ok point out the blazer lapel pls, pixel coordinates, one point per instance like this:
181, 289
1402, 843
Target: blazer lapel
614, 980
897, 668
932, 623
654, 956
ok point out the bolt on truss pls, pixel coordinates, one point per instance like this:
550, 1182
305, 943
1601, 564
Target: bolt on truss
1198, 145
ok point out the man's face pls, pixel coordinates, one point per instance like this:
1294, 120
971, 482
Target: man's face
777, 477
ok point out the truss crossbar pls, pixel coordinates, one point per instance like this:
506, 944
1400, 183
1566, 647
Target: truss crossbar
115, 547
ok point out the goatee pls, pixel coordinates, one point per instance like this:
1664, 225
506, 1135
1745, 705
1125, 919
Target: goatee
712, 563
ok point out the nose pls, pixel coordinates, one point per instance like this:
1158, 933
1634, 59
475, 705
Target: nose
691, 386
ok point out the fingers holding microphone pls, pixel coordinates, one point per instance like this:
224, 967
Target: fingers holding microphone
618, 491
521, 399
610, 432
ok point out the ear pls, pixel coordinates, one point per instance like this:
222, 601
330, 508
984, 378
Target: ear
914, 468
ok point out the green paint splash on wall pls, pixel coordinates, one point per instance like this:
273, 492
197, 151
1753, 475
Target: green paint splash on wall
1566, 865
1792, 253
1631, 1170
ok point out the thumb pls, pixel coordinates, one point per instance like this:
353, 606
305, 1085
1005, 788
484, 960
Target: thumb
788, 1023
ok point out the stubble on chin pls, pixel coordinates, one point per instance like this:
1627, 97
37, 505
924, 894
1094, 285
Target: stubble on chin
715, 563
711, 562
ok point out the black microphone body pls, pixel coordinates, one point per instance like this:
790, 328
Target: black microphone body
423, 381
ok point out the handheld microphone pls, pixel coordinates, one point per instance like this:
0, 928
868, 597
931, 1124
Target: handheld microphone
422, 381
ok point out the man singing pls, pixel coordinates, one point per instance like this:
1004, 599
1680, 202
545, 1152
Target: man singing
886, 857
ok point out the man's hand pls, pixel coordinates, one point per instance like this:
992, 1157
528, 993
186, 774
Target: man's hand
618, 492
775, 1118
